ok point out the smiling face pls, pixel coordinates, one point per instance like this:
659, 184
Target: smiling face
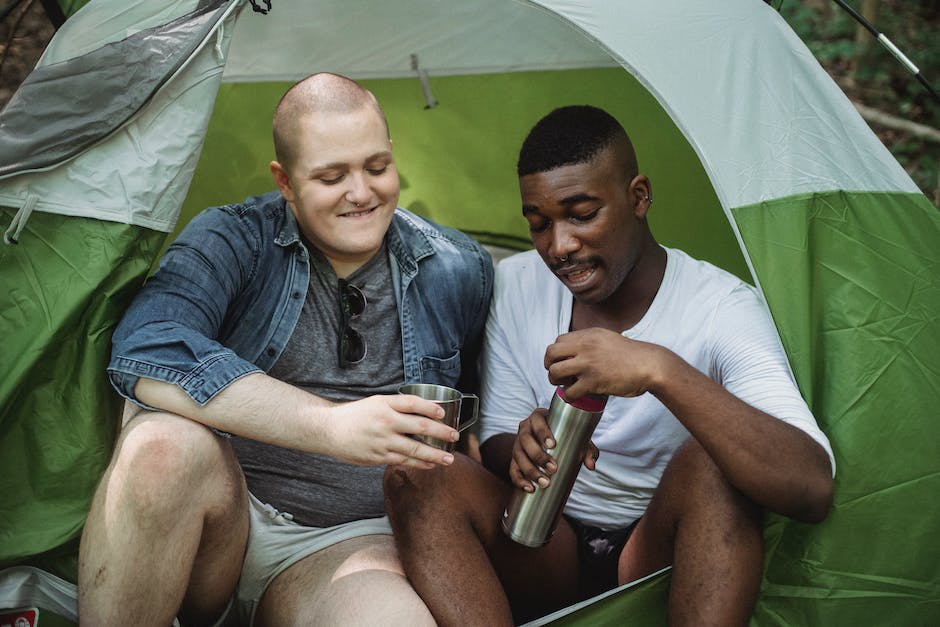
587, 221
341, 184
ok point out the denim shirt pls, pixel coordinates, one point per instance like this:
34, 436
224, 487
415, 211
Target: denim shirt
230, 290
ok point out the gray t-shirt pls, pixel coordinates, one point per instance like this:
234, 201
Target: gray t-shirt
317, 490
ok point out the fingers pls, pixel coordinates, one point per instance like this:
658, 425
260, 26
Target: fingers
531, 463
422, 417
411, 404
423, 461
590, 360
379, 430
417, 454
556, 352
590, 457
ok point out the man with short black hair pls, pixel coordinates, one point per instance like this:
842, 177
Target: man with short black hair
290, 321
704, 429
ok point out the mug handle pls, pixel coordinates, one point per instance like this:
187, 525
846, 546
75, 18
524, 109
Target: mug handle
476, 411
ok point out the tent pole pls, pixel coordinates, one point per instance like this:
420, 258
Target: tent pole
890, 47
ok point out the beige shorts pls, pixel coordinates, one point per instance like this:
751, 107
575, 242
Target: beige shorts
275, 542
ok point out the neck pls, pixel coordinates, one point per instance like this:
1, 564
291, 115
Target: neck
629, 302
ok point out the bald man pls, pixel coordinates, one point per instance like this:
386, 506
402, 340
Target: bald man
262, 363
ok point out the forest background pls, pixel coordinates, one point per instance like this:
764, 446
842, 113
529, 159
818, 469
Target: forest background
903, 112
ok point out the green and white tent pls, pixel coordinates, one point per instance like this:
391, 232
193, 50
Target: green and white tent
142, 113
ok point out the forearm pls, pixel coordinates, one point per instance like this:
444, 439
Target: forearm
773, 463
255, 406
372, 431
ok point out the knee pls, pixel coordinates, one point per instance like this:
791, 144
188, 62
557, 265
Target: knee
408, 489
162, 457
411, 491
701, 486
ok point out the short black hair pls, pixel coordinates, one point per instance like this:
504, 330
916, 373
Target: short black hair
567, 136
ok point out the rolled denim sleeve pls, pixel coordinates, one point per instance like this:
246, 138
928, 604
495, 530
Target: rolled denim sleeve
172, 331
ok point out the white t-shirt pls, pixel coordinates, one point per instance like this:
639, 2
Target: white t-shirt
707, 316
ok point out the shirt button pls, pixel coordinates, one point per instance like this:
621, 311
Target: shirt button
296, 295
271, 352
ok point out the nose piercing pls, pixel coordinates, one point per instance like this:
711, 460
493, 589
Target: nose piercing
648, 200
563, 258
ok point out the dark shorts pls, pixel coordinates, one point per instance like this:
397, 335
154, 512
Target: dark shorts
598, 553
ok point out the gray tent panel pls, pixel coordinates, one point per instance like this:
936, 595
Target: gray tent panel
39, 128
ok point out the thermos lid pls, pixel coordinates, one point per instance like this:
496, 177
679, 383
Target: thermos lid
588, 402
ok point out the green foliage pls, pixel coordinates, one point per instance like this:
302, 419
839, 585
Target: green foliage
870, 75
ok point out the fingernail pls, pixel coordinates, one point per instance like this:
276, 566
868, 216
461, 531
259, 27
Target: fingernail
454, 436
448, 459
551, 467
549, 443
528, 487
543, 482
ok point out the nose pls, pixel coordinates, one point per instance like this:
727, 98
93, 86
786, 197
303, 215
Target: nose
564, 242
359, 192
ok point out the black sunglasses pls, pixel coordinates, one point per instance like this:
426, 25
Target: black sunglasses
352, 346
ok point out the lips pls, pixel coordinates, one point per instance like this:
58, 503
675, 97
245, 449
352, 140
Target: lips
576, 275
357, 214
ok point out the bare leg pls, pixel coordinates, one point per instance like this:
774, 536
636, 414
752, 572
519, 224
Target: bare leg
167, 527
446, 524
711, 534
356, 582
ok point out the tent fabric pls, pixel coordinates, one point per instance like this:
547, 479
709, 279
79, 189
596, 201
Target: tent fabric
642, 601
146, 145
786, 176
448, 39
457, 160
64, 287
764, 117
25, 586
41, 130
857, 305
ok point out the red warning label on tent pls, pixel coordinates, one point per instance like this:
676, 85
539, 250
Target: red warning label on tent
28, 617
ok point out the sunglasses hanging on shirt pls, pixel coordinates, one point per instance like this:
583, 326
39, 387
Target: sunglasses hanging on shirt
352, 346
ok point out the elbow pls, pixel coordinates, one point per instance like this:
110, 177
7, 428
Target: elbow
817, 501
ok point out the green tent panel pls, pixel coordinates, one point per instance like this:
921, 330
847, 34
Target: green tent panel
859, 319
463, 174
65, 285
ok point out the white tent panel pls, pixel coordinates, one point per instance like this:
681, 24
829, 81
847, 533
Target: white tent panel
739, 66
99, 23
376, 39
758, 109
141, 173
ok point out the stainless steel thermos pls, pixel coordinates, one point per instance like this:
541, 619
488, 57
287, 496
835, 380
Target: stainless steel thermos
530, 518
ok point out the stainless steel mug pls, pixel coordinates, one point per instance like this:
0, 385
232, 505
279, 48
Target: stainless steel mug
452, 402
530, 518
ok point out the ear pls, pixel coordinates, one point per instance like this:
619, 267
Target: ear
640, 192
282, 180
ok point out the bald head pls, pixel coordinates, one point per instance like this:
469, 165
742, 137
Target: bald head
318, 93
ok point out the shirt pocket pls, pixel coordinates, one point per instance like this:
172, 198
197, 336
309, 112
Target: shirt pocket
440, 370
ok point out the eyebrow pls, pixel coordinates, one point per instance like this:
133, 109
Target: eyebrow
566, 201
341, 165
576, 198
